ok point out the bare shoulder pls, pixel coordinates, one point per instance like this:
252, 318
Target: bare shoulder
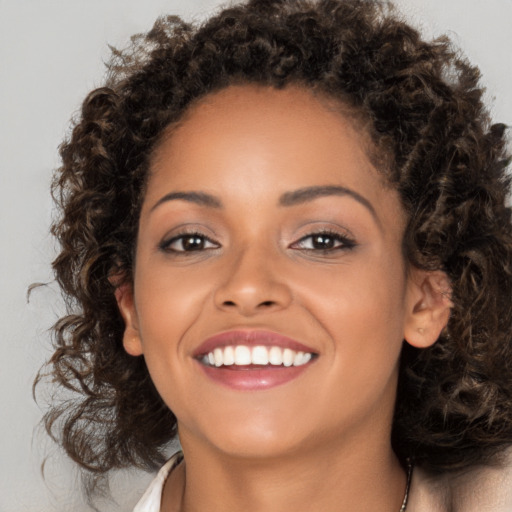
480, 489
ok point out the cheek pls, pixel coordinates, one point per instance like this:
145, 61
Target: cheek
371, 288
363, 313
362, 308
168, 306
168, 301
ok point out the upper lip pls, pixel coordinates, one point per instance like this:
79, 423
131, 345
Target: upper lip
250, 338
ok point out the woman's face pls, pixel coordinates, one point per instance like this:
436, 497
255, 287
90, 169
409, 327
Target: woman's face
265, 225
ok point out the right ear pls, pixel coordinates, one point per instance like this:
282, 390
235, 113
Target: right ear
131, 337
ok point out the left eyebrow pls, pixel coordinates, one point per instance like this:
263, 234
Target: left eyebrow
304, 195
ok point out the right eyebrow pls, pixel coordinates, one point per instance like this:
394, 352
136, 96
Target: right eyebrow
200, 198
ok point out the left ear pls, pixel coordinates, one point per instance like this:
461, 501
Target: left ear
428, 306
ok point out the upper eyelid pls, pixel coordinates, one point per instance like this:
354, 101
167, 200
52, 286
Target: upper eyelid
168, 240
190, 229
328, 225
337, 231
334, 234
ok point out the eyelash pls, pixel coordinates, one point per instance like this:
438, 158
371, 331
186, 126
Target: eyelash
165, 245
344, 242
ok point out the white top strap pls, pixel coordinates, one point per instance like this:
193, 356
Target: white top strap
152, 498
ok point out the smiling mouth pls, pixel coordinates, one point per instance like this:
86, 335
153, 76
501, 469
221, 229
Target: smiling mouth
253, 359
238, 356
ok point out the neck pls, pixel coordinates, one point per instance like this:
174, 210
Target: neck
331, 481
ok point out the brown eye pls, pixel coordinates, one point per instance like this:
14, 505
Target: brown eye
324, 242
192, 243
188, 243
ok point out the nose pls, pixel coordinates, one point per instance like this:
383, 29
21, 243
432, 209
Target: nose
253, 284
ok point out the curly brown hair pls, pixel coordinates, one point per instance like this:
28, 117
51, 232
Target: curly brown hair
421, 104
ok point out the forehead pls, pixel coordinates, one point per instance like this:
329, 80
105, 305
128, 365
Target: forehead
260, 143
265, 124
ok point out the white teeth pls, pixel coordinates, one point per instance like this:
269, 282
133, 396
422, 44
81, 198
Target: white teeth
297, 360
288, 356
301, 358
259, 355
229, 356
242, 355
275, 356
218, 356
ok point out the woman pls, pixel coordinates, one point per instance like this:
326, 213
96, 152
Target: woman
284, 238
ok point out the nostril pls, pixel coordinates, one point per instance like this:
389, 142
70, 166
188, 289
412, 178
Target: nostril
266, 303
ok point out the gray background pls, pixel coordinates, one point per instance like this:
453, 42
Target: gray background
51, 55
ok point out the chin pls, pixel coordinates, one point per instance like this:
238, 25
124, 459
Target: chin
254, 436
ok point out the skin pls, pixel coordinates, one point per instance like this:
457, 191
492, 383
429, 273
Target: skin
322, 439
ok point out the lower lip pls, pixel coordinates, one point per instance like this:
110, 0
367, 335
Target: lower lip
253, 378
